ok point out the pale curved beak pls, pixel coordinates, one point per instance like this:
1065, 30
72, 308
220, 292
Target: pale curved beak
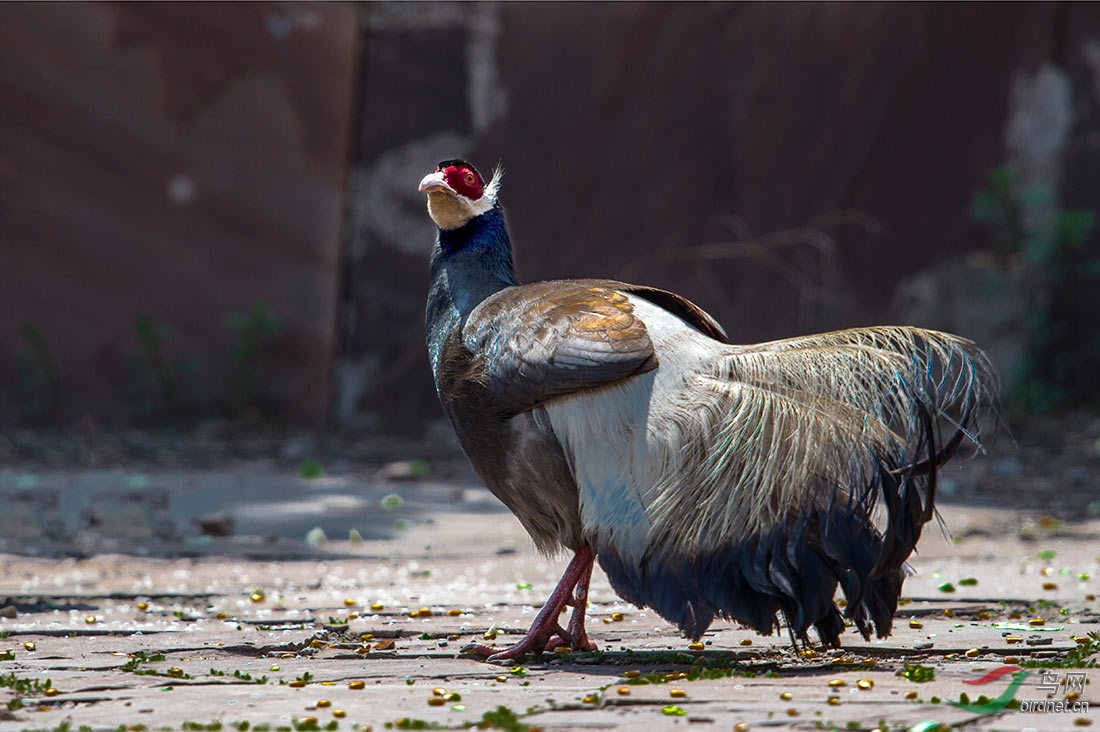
434, 180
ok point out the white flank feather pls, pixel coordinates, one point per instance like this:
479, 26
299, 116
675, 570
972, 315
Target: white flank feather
721, 441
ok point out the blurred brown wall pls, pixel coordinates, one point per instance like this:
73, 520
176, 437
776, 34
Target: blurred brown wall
177, 161
185, 161
634, 133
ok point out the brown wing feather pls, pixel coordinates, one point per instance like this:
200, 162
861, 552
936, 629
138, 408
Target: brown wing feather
535, 342
682, 308
678, 305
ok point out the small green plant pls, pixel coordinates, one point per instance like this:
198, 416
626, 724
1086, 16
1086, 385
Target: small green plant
255, 328
1083, 655
255, 679
311, 468
24, 686
305, 678
37, 377
154, 380
136, 659
66, 726
133, 665
391, 502
1062, 352
503, 718
309, 724
918, 674
411, 723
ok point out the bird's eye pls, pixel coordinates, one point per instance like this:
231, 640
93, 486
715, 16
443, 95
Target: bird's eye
469, 178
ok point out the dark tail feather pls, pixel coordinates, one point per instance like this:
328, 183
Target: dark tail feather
909, 493
853, 547
794, 569
663, 583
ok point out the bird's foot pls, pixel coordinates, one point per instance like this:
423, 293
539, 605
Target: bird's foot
574, 644
536, 641
575, 637
545, 632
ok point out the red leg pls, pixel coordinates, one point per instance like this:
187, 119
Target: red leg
575, 636
546, 626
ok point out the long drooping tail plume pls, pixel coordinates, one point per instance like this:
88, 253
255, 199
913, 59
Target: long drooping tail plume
771, 478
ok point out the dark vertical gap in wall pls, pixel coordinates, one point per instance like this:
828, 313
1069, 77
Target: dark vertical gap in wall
345, 301
1059, 53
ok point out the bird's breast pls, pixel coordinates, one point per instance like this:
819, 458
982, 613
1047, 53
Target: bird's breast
518, 456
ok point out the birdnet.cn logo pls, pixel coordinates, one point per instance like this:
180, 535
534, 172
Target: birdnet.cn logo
1061, 695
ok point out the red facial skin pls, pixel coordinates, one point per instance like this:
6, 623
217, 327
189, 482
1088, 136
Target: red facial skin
465, 181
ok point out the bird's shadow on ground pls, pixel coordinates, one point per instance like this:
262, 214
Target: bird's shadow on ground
659, 667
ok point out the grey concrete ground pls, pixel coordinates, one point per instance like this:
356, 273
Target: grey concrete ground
119, 612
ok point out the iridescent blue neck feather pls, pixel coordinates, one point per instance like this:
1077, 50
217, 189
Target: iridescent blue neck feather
468, 264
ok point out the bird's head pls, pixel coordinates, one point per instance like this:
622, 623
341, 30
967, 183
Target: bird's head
457, 193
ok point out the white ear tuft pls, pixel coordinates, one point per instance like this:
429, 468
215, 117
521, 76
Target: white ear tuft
493, 186
489, 195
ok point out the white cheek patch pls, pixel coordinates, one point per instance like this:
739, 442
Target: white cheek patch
479, 206
448, 210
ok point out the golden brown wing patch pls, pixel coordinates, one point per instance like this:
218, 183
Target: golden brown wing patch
549, 339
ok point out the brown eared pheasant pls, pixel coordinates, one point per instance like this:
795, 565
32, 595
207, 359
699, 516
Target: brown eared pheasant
707, 478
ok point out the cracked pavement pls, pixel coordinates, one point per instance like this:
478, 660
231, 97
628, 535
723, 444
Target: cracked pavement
158, 630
